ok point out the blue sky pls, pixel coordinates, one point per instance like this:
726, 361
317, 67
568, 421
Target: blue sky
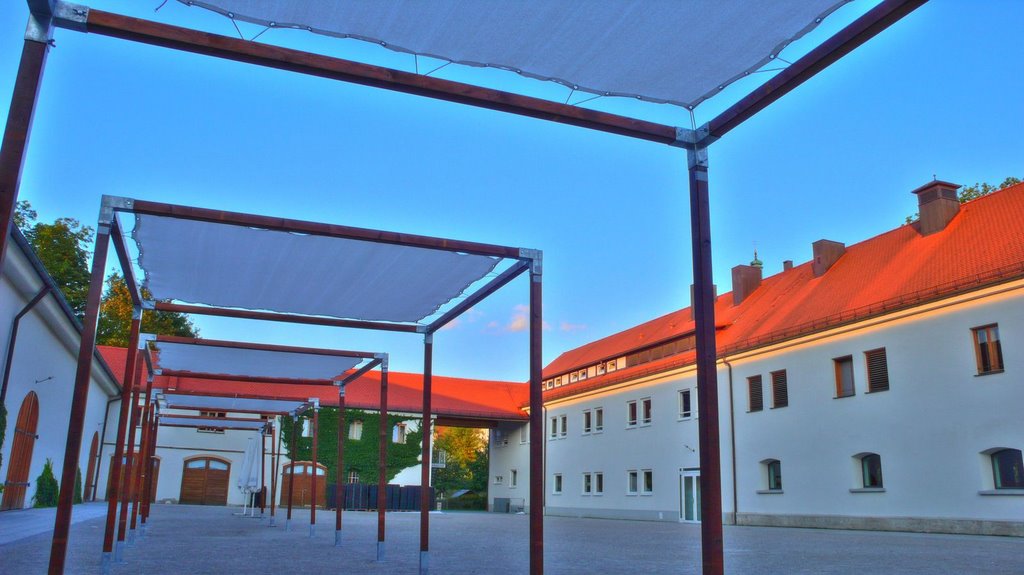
939, 93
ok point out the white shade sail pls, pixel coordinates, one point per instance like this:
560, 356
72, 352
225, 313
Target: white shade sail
234, 266
255, 424
240, 362
229, 404
678, 51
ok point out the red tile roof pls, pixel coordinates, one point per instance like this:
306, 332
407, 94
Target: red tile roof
982, 245
452, 396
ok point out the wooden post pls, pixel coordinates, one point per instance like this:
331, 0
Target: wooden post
339, 474
151, 462
275, 451
536, 420
428, 374
382, 469
291, 471
143, 467
263, 472
127, 482
312, 496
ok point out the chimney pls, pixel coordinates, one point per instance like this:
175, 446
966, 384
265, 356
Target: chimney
693, 294
937, 204
826, 253
787, 265
745, 279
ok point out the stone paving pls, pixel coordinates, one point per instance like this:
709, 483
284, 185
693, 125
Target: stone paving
189, 539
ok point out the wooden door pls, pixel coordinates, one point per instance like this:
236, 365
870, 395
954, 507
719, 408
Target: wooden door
304, 484
204, 481
87, 494
21, 454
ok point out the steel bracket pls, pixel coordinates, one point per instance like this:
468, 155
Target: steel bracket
71, 16
111, 203
536, 258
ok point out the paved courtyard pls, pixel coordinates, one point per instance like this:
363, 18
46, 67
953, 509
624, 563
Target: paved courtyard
189, 539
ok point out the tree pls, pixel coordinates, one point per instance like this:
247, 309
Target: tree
974, 192
62, 247
466, 466
116, 316
46, 487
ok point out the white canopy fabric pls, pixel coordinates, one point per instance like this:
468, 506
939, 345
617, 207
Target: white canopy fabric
256, 269
255, 424
249, 479
283, 365
228, 404
678, 51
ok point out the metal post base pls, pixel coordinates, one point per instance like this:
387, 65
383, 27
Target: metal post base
287, 524
337, 537
131, 537
272, 521
119, 552
380, 551
312, 529
424, 562
142, 531
105, 560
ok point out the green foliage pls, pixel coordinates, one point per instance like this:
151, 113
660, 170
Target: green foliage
62, 247
974, 192
467, 462
360, 455
77, 497
116, 317
46, 487
469, 502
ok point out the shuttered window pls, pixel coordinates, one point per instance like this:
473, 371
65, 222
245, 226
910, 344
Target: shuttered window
755, 393
844, 376
878, 370
987, 349
780, 389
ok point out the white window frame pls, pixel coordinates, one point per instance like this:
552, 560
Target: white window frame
587, 488
646, 411
598, 419
644, 474
632, 413
553, 432
556, 484
683, 415
513, 478
524, 434
588, 422
355, 430
564, 431
598, 483
632, 482
499, 479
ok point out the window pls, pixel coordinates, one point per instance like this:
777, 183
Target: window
987, 349
878, 370
774, 469
647, 487
844, 376
524, 434
400, 434
558, 382
645, 404
631, 481
598, 419
355, 430
211, 414
574, 376
556, 484
685, 404
565, 426
353, 476
588, 484
583, 374
1008, 469
554, 427
598, 483
513, 478
871, 470
755, 394
499, 479
610, 366
780, 389
549, 384
307, 427
600, 369
500, 438
631, 414
588, 423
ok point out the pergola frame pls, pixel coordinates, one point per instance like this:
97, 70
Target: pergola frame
45, 14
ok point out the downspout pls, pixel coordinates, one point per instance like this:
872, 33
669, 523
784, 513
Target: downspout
99, 456
732, 441
14, 339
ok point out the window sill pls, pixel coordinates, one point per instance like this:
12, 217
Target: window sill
631, 494
993, 372
631, 426
868, 490
845, 396
647, 494
645, 424
870, 391
685, 418
1017, 492
779, 406
769, 492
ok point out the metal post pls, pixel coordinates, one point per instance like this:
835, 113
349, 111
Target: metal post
117, 468
312, 496
143, 466
707, 376
291, 471
263, 472
275, 450
428, 374
76, 419
382, 470
17, 131
127, 482
536, 420
339, 474
151, 462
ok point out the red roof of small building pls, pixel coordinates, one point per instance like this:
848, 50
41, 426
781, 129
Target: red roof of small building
982, 245
451, 396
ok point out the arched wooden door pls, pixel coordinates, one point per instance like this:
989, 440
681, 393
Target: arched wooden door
21, 454
87, 493
304, 484
204, 481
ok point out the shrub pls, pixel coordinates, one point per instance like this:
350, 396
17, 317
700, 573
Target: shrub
46, 487
77, 497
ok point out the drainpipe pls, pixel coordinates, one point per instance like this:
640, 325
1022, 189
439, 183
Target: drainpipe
14, 339
732, 440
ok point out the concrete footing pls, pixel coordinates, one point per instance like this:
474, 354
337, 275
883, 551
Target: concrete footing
380, 551
424, 562
119, 552
105, 561
287, 524
337, 537
312, 529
